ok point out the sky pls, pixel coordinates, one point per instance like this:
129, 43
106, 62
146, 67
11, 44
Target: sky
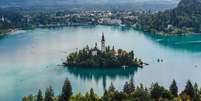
86, 1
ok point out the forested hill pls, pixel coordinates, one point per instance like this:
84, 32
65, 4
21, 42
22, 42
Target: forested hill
190, 6
185, 18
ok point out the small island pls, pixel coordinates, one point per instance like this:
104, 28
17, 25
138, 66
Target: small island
104, 57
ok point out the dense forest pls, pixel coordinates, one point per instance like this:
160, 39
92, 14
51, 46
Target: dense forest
129, 92
185, 18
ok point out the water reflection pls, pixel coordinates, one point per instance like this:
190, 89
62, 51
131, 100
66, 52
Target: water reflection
1, 37
102, 73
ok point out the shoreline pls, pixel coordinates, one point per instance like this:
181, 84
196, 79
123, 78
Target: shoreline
166, 34
90, 66
7, 32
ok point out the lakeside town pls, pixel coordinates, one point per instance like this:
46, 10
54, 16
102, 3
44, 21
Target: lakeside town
29, 20
65, 18
173, 21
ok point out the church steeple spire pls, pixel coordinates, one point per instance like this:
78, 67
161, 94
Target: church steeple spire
103, 37
2, 18
103, 49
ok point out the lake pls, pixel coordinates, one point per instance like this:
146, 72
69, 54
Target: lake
31, 60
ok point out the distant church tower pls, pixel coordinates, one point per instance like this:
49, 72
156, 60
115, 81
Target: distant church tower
2, 19
103, 49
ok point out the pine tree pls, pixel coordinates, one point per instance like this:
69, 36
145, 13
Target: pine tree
39, 96
196, 91
66, 91
173, 88
92, 95
156, 91
129, 87
126, 88
132, 86
189, 90
49, 94
111, 88
105, 96
112, 93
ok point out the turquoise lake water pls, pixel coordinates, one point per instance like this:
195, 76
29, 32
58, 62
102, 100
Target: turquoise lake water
31, 59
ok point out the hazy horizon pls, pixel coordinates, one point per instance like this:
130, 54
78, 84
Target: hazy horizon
88, 4
54, 2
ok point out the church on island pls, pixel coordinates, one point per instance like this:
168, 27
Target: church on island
95, 50
103, 57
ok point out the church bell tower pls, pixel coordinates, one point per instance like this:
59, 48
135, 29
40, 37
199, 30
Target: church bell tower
103, 49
